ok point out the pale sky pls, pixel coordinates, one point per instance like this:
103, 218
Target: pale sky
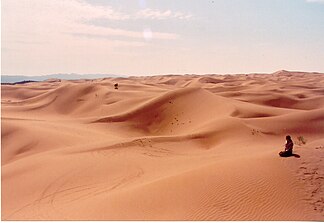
150, 37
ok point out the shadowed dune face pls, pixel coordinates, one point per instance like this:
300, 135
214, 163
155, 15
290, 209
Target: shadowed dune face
164, 148
174, 112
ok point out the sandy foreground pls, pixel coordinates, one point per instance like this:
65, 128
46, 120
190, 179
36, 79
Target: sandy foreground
164, 148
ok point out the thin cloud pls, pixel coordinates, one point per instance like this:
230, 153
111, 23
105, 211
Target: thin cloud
52, 21
69, 41
157, 14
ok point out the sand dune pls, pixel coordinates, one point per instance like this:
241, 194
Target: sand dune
164, 148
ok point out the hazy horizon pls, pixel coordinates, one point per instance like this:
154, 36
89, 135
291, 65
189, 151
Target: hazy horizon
155, 74
43, 37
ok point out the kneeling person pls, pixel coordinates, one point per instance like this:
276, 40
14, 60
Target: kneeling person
288, 147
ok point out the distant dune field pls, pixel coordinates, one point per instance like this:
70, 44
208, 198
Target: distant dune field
164, 148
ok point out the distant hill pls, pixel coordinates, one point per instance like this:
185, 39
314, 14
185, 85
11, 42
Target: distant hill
21, 78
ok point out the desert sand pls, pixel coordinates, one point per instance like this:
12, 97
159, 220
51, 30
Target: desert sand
164, 148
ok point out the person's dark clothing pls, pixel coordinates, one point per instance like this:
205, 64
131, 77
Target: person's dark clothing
288, 149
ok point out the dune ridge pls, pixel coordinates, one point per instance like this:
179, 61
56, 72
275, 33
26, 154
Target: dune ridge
173, 147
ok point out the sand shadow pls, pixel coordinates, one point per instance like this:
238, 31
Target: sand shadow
296, 155
285, 155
